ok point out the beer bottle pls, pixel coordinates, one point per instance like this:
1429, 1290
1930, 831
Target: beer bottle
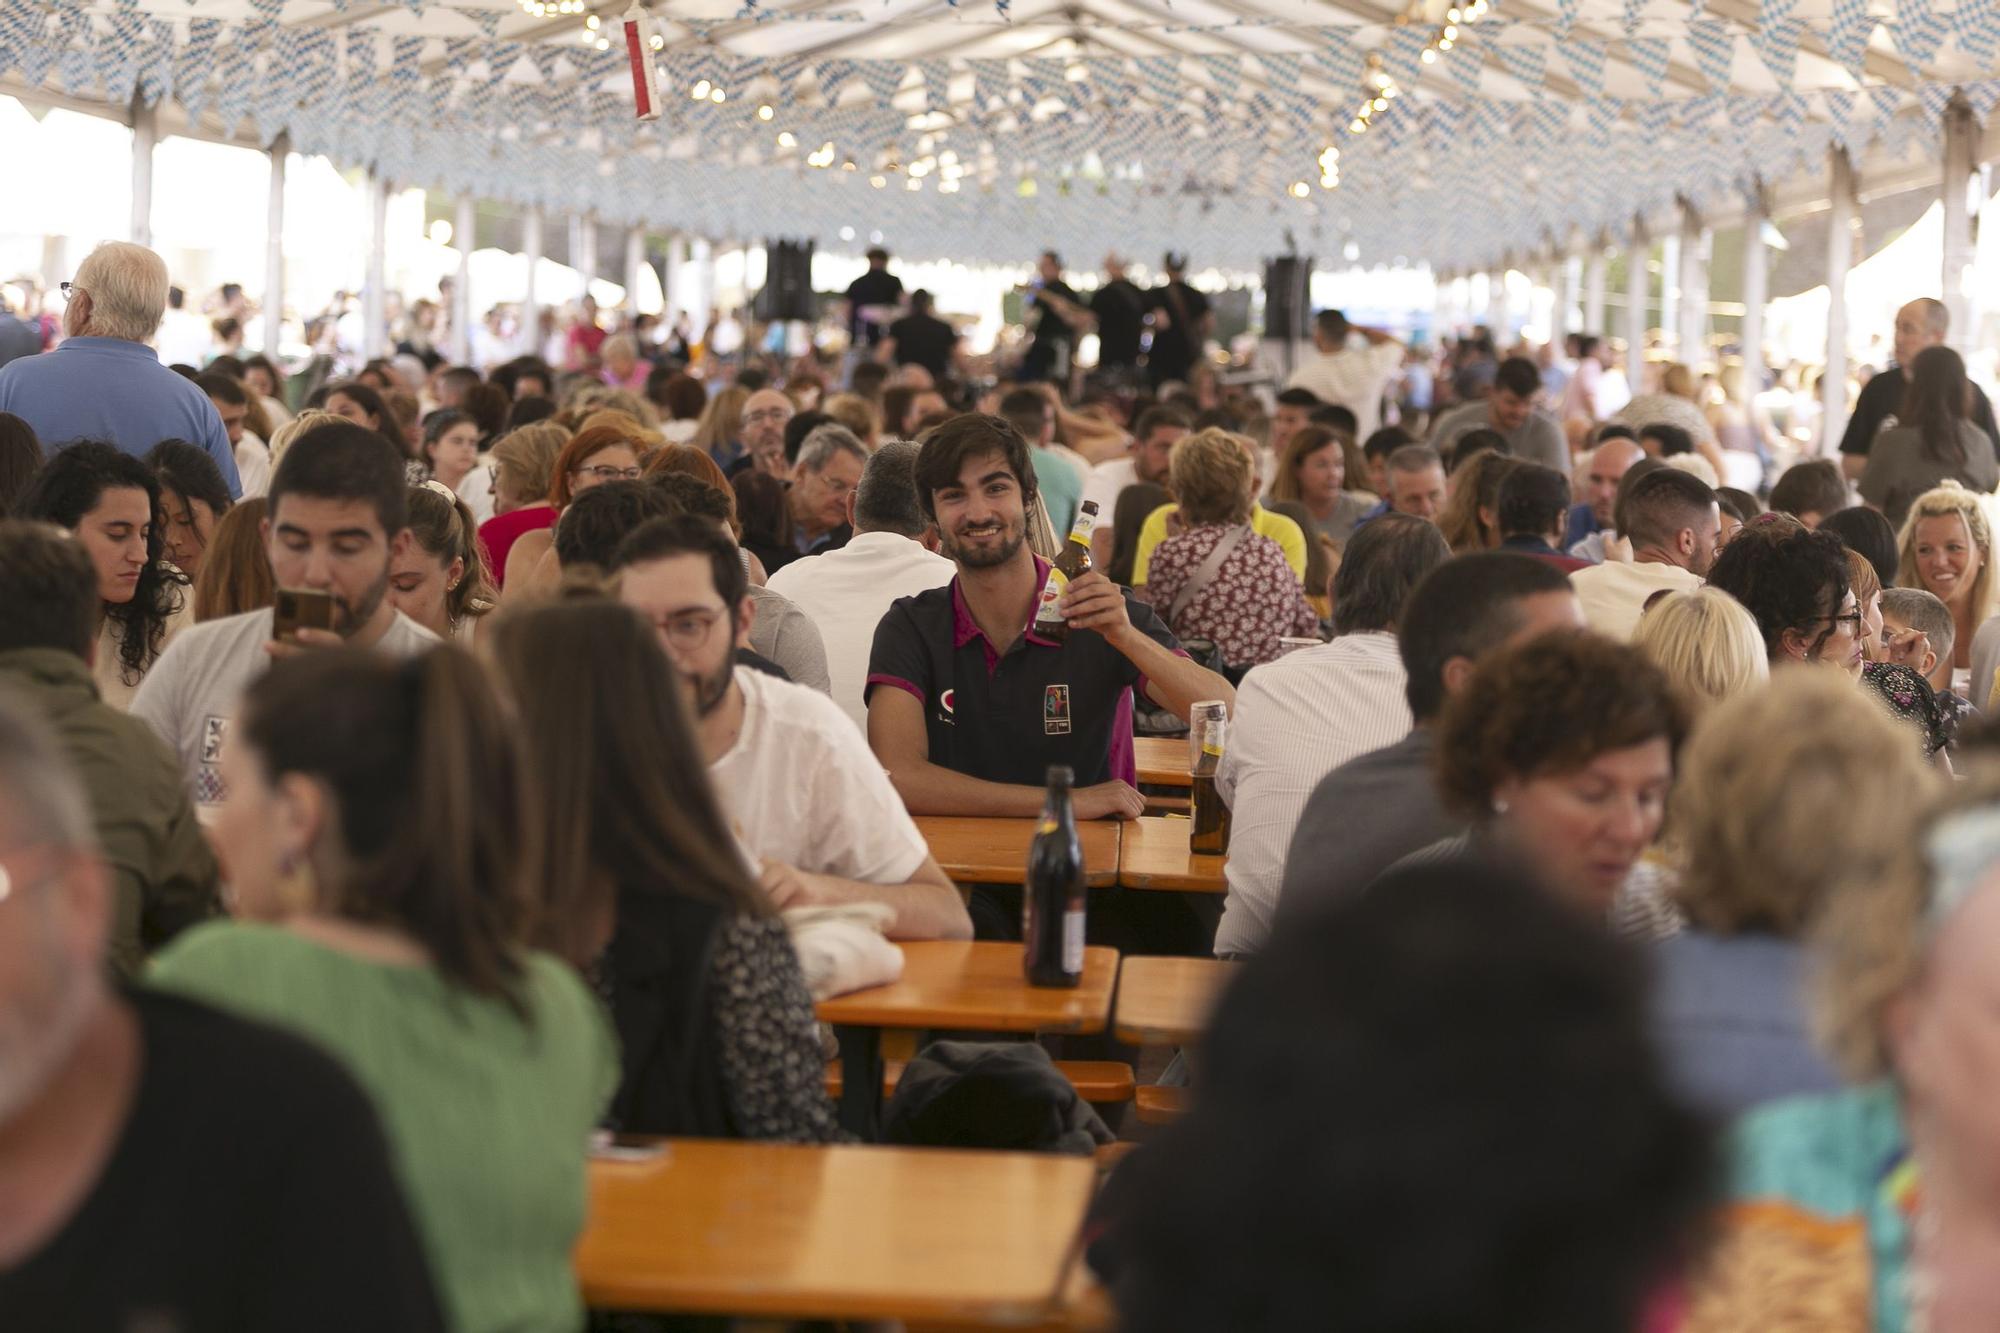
1073, 562
1052, 902
1211, 816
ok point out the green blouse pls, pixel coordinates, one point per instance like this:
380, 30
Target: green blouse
488, 1118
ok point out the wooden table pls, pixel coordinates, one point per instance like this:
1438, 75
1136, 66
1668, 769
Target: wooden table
995, 851
794, 1232
1162, 761
1153, 854
957, 985
1166, 1001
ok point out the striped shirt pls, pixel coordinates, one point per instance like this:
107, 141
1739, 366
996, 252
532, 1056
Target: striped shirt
1297, 719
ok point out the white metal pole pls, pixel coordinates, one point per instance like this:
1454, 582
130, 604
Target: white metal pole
375, 293
145, 137
274, 247
1961, 223
635, 259
1693, 331
1839, 258
531, 305
1756, 277
1593, 291
1638, 290
462, 228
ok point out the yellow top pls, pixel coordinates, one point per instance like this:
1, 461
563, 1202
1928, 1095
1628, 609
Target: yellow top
1262, 522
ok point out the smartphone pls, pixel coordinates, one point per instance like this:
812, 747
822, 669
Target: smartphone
296, 609
620, 1147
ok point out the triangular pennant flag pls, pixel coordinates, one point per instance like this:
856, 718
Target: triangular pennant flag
990, 78
1847, 35
937, 83
118, 57
1225, 76
1601, 114
1933, 98
1714, 50
1404, 58
1982, 97
1525, 62
1977, 28
883, 77
156, 63
194, 65
833, 75
1466, 60
1648, 55
1777, 45
1918, 31
1340, 64
1586, 62
1566, 13
487, 19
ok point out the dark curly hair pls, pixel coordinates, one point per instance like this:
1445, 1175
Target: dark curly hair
1432, 1106
1788, 578
69, 486
1549, 705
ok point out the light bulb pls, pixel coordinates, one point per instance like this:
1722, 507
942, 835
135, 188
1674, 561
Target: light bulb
1430, 56
701, 90
786, 139
765, 112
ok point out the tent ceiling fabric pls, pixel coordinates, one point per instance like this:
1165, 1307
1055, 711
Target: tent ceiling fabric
984, 133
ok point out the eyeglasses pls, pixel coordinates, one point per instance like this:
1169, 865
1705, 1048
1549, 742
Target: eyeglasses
69, 289
1853, 620
776, 416
688, 630
606, 473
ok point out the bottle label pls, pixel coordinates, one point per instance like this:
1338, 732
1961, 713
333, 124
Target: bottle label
1046, 610
1211, 738
1048, 825
1080, 530
1073, 940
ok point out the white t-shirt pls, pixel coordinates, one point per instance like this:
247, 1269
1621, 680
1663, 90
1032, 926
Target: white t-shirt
1355, 378
846, 592
191, 694
1613, 595
801, 786
253, 465
1105, 482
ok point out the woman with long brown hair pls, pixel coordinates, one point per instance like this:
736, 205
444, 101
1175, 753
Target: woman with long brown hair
645, 885
374, 831
1935, 439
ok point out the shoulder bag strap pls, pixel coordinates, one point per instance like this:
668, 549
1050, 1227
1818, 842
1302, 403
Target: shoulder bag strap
1210, 566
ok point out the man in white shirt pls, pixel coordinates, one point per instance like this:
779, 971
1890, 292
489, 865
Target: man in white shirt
1302, 716
183, 336
1356, 377
1153, 438
798, 783
339, 515
892, 554
1672, 521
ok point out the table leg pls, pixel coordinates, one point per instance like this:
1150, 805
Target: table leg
861, 1081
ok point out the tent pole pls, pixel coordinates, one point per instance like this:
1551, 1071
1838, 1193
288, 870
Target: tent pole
1564, 322
1839, 258
1756, 275
1961, 223
274, 247
462, 228
531, 305
1593, 290
1637, 292
374, 294
145, 137
635, 259
1693, 331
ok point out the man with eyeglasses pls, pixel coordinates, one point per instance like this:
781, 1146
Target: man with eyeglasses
825, 475
805, 797
166, 1165
104, 382
765, 414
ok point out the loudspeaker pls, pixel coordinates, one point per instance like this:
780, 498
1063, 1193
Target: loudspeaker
1287, 306
788, 290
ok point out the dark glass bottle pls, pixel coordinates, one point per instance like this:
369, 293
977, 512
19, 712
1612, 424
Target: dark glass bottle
1052, 901
1071, 564
1210, 833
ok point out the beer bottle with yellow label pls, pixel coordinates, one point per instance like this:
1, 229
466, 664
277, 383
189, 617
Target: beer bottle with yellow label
1072, 563
1210, 833
1052, 901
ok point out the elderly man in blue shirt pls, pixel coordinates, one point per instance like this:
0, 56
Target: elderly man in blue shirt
103, 382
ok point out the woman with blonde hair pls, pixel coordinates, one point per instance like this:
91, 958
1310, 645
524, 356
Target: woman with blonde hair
607, 451
1707, 644
1947, 550
1763, 829
1247, 599
720, 430
285, 436
1877, 1207
524, 464
236, 569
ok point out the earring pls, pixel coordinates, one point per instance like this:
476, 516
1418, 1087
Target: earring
297, 891
1499, 806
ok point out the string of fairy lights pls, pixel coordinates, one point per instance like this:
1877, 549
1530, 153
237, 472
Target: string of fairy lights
1379, 89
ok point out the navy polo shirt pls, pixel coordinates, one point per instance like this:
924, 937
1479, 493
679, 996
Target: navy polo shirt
1005, 713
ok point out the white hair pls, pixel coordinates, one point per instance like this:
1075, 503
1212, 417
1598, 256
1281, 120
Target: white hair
127, 285
1695, 466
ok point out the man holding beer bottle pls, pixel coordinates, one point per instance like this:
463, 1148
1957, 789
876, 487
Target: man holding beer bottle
975, 689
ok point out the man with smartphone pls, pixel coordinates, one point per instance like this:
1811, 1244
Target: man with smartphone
339, 514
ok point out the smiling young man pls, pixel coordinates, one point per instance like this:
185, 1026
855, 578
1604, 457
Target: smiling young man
967, 706
339, 515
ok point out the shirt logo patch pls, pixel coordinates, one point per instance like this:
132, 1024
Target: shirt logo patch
946, 703
214, 730
1055, 710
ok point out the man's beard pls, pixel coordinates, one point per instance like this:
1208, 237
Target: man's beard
350, 618
710, 691
985, 557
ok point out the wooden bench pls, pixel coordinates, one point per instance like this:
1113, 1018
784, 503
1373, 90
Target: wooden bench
1156, 1105
1100, 1082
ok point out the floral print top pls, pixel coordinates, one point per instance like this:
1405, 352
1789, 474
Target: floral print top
1253, 601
